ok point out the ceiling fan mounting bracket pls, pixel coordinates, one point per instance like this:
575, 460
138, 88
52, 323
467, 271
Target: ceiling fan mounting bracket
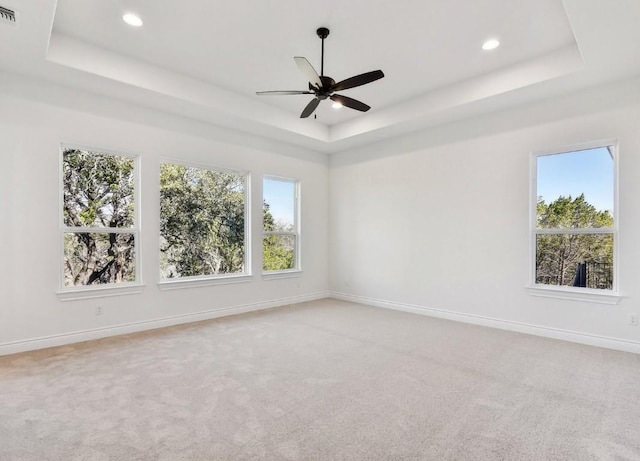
322, 32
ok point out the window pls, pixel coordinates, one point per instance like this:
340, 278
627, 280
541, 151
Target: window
281, 236
574, 215
99, 218
203, 224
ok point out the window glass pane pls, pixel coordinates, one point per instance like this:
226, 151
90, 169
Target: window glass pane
580, 260
98, 189
278, 252
95, 259
202, 222
279, 205
575, 189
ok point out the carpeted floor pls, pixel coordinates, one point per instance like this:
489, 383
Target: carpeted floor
326, 380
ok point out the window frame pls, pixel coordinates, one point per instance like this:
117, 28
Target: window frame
297, 268
70, 293
220, 279
602, 296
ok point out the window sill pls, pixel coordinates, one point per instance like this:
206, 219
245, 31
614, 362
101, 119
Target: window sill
588, 295
276, 275
73, 294
194, 282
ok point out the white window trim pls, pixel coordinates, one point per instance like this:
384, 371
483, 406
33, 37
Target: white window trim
590, 295
100, 291
65, 293
284, 274
296, 271
202, 281
612, 296
177, 283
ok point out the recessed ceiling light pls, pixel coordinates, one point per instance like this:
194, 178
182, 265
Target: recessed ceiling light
336, 105
491, 44
132, 19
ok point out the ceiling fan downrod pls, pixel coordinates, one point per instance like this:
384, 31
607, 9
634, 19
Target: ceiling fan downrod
323, 33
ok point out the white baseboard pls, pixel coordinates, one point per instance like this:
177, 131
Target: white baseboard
97, 333
555, 333
87, 335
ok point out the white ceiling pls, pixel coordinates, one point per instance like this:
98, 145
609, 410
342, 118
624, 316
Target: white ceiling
206, 59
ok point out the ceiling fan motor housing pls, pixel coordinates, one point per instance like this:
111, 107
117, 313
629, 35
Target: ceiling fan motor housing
325, 90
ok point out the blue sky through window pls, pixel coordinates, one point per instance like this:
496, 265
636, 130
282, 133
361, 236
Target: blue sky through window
280, 195
586, 171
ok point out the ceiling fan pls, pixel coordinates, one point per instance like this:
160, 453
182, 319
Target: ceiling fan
323, 87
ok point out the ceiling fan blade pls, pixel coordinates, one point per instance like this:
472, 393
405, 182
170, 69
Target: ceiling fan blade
310, 108
308, 70
262, 93
358, 80
350, 102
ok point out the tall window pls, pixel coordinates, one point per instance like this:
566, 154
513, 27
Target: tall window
99, 223
574, 232
202, 221
281, 234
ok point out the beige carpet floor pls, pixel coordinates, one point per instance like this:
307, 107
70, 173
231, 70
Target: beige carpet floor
326, 380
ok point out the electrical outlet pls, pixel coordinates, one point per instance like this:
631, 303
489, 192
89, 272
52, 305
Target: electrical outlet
633, 319
99, 310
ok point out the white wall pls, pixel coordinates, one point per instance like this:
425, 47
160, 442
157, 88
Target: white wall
32, 316
438, 222
434, 222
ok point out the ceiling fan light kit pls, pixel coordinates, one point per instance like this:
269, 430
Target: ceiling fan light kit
324, 87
